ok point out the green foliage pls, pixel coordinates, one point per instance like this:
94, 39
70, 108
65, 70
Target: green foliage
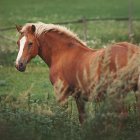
24, 118
99, 32
60, 10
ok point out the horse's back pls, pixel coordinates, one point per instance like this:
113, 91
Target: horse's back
112, 58
120, 54
115, 57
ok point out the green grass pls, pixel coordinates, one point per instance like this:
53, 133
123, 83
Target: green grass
59, 10
15, 83
99, 33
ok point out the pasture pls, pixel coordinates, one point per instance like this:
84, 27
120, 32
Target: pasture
28, 109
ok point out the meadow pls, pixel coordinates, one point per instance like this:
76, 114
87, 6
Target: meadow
28, 109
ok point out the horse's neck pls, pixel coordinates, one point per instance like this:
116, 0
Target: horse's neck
54, 46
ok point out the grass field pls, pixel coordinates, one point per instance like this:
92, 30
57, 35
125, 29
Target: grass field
17, 12
60, 10
28, 109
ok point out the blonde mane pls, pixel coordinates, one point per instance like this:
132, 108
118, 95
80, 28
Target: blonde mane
42, 28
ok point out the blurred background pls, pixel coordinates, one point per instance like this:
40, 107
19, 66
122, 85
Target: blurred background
97, 22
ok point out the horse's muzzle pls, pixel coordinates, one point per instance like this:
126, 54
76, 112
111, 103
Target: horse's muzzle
20, 67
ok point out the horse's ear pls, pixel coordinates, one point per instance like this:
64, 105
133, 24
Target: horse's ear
18, 27
33, 28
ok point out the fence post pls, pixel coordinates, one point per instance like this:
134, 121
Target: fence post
84, 28
130, 26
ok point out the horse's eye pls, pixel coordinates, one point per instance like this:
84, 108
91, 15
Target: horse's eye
30, 44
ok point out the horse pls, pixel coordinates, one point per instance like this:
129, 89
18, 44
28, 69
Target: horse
68, 59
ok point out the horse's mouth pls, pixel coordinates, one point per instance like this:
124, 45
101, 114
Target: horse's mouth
20, 68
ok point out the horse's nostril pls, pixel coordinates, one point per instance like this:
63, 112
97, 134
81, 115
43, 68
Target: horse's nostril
21, 65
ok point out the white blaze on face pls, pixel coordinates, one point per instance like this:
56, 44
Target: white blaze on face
22, 43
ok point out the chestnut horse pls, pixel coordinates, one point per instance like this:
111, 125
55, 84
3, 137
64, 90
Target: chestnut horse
68, 58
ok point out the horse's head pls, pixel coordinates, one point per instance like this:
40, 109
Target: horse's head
28, 46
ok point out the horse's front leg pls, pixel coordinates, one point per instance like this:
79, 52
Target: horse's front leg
81, 109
